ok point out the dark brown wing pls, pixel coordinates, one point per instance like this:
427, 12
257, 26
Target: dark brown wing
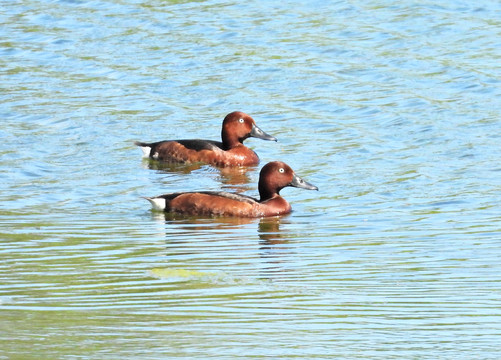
233, 196
195, 144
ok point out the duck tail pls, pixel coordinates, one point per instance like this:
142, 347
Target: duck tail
158, 203
145, 148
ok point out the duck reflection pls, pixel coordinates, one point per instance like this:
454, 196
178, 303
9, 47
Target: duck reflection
268, 227
200, 222
269, 231
187, 237
235, 176
274, 246
230, 177
170, 167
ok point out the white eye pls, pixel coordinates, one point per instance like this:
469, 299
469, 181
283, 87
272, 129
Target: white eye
241, 121
281, 170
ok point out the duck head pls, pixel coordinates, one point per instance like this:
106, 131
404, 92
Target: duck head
238, 126
276, 175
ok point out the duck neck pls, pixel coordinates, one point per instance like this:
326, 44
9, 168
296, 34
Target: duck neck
227, 145
265, 193
230, 140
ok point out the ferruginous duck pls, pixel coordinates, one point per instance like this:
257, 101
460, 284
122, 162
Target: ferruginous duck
237, 126
273, 177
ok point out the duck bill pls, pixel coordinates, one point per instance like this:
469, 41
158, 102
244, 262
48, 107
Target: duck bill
300, 183
260, 134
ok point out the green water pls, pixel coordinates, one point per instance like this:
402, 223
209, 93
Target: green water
391, 109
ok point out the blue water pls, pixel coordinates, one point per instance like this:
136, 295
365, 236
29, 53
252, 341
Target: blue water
391, 109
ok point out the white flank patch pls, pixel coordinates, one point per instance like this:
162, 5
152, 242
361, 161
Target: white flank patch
157, 203
146, 151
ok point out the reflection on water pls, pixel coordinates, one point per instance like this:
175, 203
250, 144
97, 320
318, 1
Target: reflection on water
269, 230
228, 176
199, 222
274, 248
271, 246
171, 167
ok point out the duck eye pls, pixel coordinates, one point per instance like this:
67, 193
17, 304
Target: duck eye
281, 170
241, 121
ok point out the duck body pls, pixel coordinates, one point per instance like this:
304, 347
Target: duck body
219, 203
203, 151
273, 177
237, 126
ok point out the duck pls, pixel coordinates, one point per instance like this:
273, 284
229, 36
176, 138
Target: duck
273, 177
237, 126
